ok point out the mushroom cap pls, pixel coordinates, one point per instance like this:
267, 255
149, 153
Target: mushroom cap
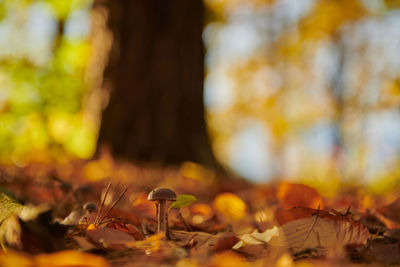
161, 193
90, 207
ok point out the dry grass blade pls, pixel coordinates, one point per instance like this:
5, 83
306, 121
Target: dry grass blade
115, 203
102, 204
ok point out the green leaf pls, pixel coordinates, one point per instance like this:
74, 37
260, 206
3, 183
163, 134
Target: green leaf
182, 201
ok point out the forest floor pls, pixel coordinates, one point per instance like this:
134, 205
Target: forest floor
97, 213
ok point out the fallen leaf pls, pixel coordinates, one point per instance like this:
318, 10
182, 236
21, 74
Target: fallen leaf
200, 208
8, 207
391, 213
307, 228
230, 206
10, 232
59, 259
69, 258
315, 232
127, 228
110, 238
13, 258
257, 238
383, 250
292, 195
228, 259
40, 233
84, 243
303, 212
150, 244
225, 242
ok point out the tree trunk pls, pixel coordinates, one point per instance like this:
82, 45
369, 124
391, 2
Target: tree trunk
156, 112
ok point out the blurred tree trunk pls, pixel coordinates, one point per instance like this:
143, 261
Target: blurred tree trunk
155, 112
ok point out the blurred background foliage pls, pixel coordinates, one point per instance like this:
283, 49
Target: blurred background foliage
306, 90
45, 51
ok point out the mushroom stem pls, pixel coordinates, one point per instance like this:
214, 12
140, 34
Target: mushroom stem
162, 216
162, 195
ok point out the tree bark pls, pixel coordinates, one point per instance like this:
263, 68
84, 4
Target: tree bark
156, 112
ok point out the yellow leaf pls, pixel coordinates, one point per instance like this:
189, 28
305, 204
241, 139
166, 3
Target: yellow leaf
12, 258
230, 206
228, 259
69, 258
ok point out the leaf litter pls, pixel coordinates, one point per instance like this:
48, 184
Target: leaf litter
76, 222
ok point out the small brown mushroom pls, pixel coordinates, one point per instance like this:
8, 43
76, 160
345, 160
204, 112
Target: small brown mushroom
162, 195
90, 207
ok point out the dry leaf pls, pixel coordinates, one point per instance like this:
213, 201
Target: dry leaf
391, 214
382, 250
315, 232
292, 195
109, 237
13, 258
257, 238
229, 259
8, 207
10, 232
230, 206
69, 258
331, 230
59, 259
127, 228
225, 242
302, 212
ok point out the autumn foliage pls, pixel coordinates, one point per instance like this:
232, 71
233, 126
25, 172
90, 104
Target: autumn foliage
107, 223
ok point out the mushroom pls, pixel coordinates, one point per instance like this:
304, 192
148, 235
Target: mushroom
162, 195
90, 207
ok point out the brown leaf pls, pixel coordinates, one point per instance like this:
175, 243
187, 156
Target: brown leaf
109, 237
225, 242
383, 250
127, 228
391, 213
306, 228
303, 212
312, 232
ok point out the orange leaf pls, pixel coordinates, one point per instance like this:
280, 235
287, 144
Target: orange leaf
298, 195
